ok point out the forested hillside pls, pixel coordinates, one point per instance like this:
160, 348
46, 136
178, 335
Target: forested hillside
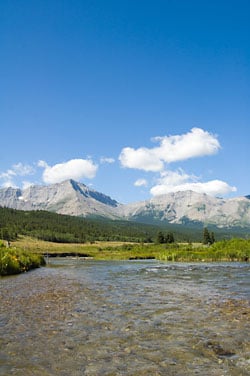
62, 228
68, 229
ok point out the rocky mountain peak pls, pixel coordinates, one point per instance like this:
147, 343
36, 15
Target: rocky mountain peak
88, 192
67, 197
74, 198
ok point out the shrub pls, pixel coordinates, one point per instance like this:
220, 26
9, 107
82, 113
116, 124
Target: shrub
14, 261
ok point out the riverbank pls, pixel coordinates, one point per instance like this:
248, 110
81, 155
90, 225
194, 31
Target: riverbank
237, 250
14, 260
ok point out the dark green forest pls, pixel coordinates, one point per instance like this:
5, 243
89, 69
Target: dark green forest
54, 227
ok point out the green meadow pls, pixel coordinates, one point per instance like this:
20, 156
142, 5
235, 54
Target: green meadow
27, 253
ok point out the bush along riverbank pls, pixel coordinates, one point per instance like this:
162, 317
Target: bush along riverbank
15, 261
237, 250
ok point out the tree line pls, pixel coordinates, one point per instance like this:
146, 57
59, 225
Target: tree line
60, 228
54, 227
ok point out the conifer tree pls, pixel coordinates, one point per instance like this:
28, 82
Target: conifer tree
160, 238
206, 236
212, 239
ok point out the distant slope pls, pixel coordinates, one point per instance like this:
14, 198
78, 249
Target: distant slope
70, 229
190, 207
180, 208
63, 228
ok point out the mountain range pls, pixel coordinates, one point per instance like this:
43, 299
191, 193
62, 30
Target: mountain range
184, 207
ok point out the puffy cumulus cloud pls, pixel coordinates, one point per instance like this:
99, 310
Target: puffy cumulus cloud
142, 159
174, 181
175, 178
196, 143
140, 183
73, 169
107, 160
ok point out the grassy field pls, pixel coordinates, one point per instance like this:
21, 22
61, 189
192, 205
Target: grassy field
227, 250
28, 253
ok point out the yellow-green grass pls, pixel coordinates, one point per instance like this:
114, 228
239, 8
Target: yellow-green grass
27, 253
232, 250
14, 260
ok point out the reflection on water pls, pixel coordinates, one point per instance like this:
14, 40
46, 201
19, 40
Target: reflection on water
82, 317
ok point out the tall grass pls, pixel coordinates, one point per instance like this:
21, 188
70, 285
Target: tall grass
227, 250
15, 261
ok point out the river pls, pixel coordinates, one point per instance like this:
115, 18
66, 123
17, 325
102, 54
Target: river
84, 317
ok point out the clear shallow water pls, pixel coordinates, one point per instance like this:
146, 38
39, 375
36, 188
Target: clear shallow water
83, 317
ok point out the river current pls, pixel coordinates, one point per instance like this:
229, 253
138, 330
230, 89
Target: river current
83, 317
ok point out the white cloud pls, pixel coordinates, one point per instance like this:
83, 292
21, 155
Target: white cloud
174, 181
174, 178
142, 159
196, 143
18, 169
140, 183
7, 174
73, 169
42, 164
107, 160
21, 169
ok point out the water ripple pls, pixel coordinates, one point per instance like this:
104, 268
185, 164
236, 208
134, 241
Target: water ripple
126, 318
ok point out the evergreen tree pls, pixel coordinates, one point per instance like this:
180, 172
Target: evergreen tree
160, 238
169, 238
212, 239
206, 236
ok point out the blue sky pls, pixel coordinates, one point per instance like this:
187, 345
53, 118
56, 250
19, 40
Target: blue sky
133, 98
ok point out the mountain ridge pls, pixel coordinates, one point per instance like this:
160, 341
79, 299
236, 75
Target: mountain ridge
178, 207
77, 199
